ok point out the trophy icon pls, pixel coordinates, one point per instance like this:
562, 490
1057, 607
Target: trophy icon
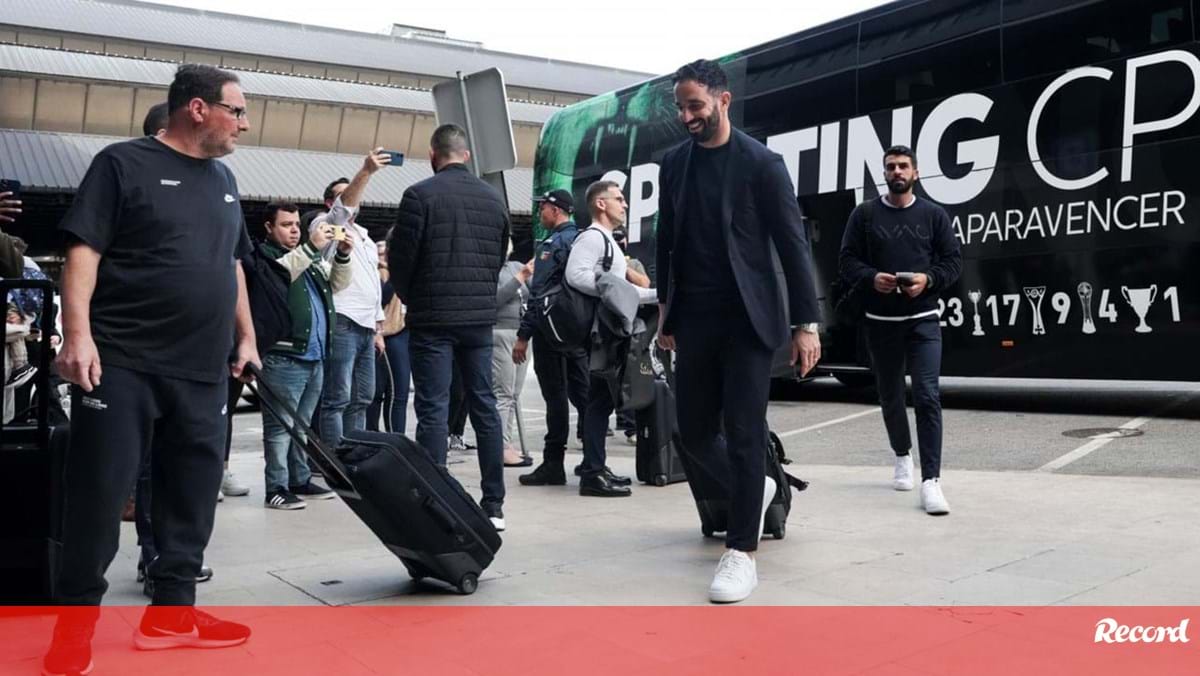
1035, 294
974, 297
1140, 300
1085, 298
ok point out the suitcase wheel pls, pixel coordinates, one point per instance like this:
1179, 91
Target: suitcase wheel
468, 584
660, 479
780, 532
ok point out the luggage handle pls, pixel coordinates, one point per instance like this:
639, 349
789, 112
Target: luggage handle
46, 329
438, 512
298, 429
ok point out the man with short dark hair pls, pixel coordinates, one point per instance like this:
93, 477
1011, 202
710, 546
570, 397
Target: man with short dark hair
445, 254
726, 203
901, 252
562, 374
156, 120
607, 207
294, 366
150, 342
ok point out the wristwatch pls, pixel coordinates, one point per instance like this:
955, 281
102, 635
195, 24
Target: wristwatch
811, 327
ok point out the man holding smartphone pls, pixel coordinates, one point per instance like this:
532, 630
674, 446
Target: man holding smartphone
885, 241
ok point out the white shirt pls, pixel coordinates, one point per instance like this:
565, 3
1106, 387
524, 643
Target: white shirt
361, 301
587, 261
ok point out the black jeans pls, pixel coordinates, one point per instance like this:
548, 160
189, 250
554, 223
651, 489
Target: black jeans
723, 376
917, 344
181, 425
434, 353
595, 425
563, 379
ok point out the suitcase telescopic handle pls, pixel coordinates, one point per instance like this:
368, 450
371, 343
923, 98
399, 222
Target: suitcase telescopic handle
297, 428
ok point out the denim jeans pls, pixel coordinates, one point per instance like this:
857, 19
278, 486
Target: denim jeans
349, 380
434, 353
299, 384
393, 376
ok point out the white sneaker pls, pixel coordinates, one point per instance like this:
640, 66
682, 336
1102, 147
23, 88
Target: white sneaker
232, 487
456, 443
932, 498
736, 577
220, 496
497, 523
768, 495
902, 479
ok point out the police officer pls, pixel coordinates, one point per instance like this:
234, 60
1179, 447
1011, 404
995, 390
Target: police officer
562, 374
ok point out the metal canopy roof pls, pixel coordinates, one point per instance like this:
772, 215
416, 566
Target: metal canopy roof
53, 161
214, 31
85, 66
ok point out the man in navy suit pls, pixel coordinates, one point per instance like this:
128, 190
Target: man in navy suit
725, 199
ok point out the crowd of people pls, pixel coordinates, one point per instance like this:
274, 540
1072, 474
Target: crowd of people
169, 297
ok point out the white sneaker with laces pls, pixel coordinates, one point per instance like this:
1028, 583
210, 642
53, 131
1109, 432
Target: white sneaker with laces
932, 498
902, 479
232, 487
768, 496
456, 443
736, 578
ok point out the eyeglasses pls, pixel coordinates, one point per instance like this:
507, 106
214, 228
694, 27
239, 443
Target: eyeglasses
239, 113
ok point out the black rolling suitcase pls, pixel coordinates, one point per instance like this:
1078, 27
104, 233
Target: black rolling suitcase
419, 512
710, 489
657, 458
32, 457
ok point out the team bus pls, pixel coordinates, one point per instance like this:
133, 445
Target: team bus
1061, 137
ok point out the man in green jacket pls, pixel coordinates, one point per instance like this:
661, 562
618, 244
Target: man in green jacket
294, 366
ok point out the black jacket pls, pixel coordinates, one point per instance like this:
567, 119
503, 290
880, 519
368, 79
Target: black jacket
446, 250
267, 285
758, 209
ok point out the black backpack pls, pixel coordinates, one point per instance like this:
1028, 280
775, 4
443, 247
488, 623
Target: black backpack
850, 300
565, 314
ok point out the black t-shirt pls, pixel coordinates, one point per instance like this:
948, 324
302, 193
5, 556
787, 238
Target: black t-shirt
169, 229
704, 268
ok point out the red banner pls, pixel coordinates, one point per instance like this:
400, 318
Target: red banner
628, 641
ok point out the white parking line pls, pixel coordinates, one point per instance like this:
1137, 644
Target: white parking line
1103, 440
828, 423
1093, 445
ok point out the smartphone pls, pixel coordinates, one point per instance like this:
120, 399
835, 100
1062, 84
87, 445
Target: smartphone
10, 185
397, 158
339, 233
905, 278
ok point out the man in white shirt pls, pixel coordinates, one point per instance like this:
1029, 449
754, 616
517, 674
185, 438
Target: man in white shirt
350, 367
607, 207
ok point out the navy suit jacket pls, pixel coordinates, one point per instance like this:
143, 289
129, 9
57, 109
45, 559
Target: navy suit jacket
758, 209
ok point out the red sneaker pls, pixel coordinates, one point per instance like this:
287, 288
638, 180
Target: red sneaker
70, 651
166, 627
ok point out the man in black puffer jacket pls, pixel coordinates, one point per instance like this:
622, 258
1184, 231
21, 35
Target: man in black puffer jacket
445, 254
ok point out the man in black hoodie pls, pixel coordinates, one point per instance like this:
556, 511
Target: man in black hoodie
901, 252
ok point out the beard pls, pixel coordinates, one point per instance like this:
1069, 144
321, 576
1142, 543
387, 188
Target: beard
900, 186
708, 127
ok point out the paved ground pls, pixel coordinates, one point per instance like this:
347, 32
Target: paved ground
1041, 515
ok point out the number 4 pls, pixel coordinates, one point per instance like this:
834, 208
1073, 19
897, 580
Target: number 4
1107, 310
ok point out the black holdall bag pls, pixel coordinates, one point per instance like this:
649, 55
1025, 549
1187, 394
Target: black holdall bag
565, 314
849, 299
33, 455
419, 512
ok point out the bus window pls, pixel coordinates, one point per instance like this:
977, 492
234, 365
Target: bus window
1097, 32
967, 64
